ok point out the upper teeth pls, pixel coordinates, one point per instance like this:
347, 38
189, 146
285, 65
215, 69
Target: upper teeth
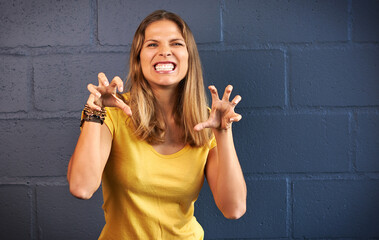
164, 67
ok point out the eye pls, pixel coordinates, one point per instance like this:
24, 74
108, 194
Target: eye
152, 45
178, 44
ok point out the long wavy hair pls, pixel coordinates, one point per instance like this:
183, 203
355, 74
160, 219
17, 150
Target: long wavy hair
191, 101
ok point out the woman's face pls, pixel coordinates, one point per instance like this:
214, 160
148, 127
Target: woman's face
164, 55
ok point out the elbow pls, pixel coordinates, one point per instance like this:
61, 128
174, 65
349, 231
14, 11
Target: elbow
80, 193
233, 210
80, 188
235, 213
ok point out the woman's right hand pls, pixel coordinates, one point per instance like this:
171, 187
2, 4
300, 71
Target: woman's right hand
104, 95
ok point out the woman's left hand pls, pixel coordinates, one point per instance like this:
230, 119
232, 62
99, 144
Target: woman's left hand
222, 113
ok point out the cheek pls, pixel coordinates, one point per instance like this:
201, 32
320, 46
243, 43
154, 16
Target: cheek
145, 63
184, 60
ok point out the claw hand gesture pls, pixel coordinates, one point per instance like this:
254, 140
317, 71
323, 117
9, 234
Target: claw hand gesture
104, 95
222, 113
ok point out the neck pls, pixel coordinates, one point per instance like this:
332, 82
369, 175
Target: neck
166, 99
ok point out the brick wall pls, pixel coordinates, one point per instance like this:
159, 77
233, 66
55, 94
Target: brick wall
308, 73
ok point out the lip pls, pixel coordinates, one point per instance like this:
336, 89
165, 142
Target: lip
165, 62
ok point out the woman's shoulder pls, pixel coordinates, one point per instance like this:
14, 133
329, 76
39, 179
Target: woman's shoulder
124, 96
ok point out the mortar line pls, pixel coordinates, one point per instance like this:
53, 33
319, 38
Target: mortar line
94, 23
290, 199
32, 88
353, 132
35, 227
350, 21
287, 84
222, 7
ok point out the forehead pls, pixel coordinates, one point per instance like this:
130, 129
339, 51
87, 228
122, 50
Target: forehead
162, 28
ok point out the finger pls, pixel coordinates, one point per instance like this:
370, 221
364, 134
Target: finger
228, 91
123, 106
91, 103
236, 100
103, 80
214, 93
93, 90
117, 83
236, 118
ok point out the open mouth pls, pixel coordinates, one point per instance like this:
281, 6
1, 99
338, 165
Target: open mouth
165, 66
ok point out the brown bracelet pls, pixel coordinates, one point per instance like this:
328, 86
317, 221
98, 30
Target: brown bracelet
91, 115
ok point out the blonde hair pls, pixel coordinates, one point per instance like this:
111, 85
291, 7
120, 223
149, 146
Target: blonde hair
191, 102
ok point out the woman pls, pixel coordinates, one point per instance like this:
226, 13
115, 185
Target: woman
158, 141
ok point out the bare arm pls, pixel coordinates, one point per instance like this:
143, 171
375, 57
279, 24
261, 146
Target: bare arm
92, 150
88, 160
223, 170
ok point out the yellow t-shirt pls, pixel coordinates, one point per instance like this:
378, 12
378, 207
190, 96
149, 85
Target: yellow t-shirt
148, 195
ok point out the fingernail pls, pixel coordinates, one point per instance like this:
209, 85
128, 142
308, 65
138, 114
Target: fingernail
98, 95
106, 83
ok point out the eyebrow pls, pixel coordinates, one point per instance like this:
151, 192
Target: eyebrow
172, 40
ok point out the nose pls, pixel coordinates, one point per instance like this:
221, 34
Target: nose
165, 51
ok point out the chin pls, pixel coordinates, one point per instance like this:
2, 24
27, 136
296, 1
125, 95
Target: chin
165, 82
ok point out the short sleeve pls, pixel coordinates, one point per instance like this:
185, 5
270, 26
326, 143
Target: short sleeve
110, 119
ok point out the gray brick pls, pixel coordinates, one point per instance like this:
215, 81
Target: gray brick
37, 147
247, 21
365, 20
61, 80
62, 216
336, 209
293, 143
15, 211
118, 20
42, 23
265, 215
332, 77
368, 143
13, 84
258, 76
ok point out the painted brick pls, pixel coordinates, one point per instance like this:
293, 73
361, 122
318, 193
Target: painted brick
336, 209
61, 216
265, 215
203, 17
60, 81
365, 20
293, 143
333, 77
36, 23
258, 76
37, 147
15, 211
13, 84
247, 21
368, 143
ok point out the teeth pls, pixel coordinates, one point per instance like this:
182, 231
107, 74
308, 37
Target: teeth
164, 67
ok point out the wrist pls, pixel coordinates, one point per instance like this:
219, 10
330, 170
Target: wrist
218, 132
90, 115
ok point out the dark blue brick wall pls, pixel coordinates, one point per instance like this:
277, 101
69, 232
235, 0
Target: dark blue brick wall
297, 21
308, 142
258, 76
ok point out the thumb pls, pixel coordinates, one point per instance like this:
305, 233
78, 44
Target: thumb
201, 126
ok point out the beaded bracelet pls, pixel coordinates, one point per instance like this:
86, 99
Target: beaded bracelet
91, 115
